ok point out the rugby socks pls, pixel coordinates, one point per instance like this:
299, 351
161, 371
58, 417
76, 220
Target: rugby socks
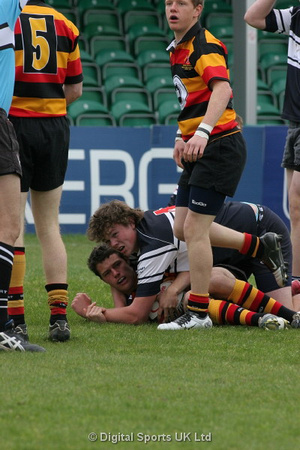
249, 297
223, 312
295, 278
57, 301
252, 246
198, 303
6, 263
16, 289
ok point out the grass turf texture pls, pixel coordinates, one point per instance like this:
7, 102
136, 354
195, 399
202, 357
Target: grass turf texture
237, 383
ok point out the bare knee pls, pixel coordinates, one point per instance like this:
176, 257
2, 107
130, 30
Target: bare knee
10, 228
294, 210
178, 232
221, 282
10, 234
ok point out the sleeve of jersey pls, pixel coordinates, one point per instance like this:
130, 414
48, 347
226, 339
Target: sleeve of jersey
74, 67
279, 21
212, 62
74, 70
151, 268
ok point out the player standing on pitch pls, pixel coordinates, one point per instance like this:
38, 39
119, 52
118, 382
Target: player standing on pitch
209, 145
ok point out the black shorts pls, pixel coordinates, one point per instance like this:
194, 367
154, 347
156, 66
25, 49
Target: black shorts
220, 167
291, 154
241, 217
44, 146
9, 148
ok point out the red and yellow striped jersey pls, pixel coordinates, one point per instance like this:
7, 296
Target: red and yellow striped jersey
196, 62
47, 57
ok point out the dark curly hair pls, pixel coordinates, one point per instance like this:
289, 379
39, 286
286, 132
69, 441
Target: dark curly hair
109, 214
100, 254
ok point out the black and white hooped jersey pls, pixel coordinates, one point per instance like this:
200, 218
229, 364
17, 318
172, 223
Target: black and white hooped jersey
287, 21
159, 251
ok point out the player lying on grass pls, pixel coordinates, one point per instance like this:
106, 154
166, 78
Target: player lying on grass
255, 220
150, 233
239, 307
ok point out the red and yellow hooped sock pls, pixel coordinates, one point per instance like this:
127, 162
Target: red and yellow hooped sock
251, 245
248, 296
57, 301
223, 312
198, 303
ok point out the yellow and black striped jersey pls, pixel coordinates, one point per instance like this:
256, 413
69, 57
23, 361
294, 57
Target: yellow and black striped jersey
196, 61
47, 57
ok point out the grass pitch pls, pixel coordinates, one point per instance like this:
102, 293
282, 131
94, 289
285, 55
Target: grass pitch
133, 387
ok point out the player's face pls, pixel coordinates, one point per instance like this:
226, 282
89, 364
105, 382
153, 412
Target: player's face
115, 271
181, 15
122, 238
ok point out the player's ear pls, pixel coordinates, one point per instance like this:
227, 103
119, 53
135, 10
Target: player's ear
131, 223
199, 9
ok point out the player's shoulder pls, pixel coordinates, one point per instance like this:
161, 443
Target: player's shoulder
41, 7
157, 224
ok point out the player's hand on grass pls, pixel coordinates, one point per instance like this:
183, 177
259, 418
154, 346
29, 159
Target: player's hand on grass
95, 313
80, 303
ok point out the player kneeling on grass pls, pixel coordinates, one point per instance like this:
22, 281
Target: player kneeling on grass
238, 307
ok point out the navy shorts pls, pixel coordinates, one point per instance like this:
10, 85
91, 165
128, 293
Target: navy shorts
199, 200
44, 146
9, 148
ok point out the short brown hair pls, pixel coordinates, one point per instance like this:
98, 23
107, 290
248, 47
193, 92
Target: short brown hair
100, 254
109, 214
198, 2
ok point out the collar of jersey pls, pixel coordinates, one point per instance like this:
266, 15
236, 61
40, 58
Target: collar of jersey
189, 35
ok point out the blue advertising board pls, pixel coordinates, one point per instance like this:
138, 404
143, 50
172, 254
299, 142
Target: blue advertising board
136, 165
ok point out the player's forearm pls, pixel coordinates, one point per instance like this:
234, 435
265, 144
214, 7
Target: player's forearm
134, 314
72, 92
258, 11
217, 103
124, 315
